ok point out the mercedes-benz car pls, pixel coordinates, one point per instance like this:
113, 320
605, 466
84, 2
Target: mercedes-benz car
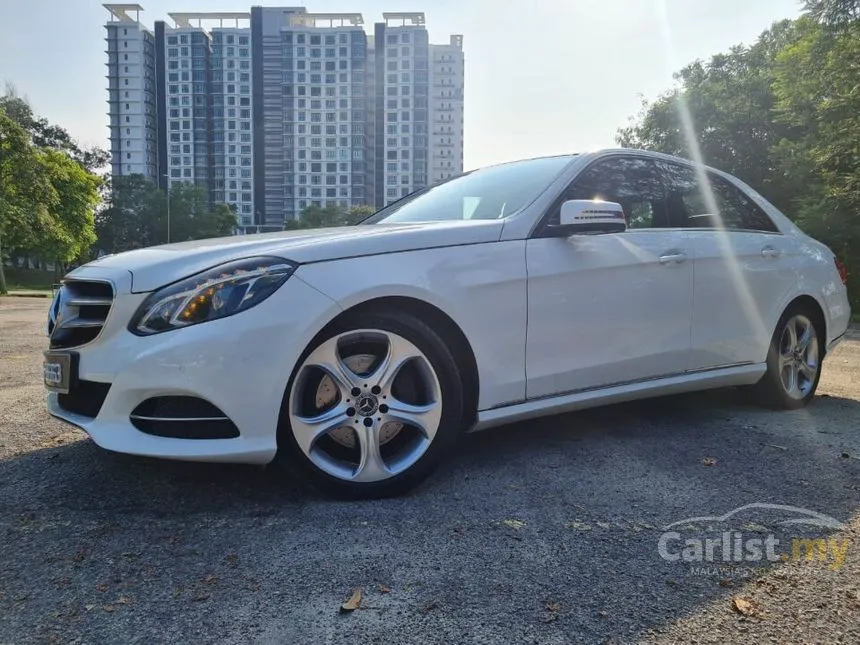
354, 357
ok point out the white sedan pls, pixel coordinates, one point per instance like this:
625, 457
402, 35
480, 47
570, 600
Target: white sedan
356, 356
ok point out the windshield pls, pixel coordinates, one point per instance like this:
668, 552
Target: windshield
488, 193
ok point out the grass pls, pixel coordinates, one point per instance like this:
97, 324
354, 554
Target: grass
29, 282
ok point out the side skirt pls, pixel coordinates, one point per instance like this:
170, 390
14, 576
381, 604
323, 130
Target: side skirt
582, 399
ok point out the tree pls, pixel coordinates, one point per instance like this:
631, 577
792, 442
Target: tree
315, 216
817, 90
136, 215
730, 103
47, 135
192, 217
833, 12
784, 116
73, 229
358, 213
26, 194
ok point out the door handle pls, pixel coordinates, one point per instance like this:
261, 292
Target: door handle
675, 256
770, 252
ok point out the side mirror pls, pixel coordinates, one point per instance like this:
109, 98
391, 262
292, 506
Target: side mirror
589, 216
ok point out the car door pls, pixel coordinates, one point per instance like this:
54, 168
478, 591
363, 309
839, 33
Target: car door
609, 308
744, 267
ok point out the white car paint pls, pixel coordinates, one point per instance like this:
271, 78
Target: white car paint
606, 308
554, 324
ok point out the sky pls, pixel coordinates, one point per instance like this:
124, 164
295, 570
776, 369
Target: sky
542, 77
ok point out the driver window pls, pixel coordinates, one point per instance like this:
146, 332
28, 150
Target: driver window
634, 182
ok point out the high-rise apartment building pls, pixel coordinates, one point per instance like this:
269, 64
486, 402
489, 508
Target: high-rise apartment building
278, 108
310, 90
445, 156
131, 94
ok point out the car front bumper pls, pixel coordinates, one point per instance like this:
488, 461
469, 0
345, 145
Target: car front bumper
241, 364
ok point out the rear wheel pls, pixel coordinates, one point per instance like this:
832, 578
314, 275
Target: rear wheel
793, 362
373, 406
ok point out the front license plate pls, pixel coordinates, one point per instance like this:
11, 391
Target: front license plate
57, 370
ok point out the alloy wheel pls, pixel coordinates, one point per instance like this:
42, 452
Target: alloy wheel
365, 405
798, 356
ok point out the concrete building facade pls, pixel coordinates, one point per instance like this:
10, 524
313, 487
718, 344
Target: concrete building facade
278, 108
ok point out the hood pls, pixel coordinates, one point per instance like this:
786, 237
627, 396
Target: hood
157, 266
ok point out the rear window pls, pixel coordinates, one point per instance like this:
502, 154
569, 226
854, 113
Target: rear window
689, 206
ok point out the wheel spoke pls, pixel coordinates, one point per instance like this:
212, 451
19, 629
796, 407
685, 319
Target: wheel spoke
365, 398
805, 338
400, 351
371, 466
423, 417
791, 328
327, 358
807, 370
307, 430
789, 377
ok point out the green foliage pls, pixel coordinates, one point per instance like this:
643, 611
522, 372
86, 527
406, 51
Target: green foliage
833, 12
136, 215
817, 84
318, 217
48, 189
26, 194
73, 228
46, 135
730, 102
783, 115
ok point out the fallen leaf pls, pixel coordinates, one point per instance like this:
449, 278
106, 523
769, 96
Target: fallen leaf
726, 582
102, 587
708, 461
383, 588
551, 605
745, 606
200, 597
514, 524
122, 600
89, 607
353, 602
109, 608
211, 580
603, 525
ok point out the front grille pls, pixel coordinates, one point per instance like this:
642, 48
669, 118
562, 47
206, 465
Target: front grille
182, 417
78, 312
84, 398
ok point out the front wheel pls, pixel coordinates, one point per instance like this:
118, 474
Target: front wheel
793, 362
373, 406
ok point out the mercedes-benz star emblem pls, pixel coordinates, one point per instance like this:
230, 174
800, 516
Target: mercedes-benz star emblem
367, 405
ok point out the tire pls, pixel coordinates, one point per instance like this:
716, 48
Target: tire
369, 433
793, 364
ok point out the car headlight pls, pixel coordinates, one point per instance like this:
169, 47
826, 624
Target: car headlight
215, 293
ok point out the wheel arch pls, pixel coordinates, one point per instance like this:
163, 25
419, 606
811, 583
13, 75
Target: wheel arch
441, 322
813, 307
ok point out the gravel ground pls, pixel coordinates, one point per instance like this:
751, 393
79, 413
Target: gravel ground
539, 532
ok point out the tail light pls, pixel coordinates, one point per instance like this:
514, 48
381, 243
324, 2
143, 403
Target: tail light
842, 269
